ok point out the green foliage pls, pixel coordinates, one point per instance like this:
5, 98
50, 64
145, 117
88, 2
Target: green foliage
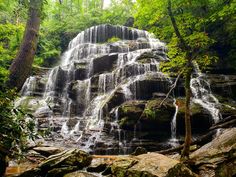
16, 126
206, 26
10, 36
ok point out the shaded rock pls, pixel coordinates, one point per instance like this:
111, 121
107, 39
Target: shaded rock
139, 151
224, 85
59, 172
117, 98
104, 63
201, 120
159, 55
144, 89
146, 114
81, 71
98, 165
180, 170
47, 151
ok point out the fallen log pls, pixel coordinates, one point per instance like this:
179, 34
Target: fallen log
230, 122
199, 141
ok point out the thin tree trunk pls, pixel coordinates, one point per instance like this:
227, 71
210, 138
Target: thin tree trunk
21, 66
188, 132
184, 47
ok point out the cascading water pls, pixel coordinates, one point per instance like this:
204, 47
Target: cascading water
77, 99
202, 95
79, 93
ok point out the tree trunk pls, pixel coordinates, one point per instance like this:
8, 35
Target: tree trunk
3, 165
188, 132
184, 47
22, 64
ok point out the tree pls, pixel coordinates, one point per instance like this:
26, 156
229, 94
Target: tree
184, 47
184, 30
22, 64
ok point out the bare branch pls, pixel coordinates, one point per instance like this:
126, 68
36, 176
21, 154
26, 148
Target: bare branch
171, 89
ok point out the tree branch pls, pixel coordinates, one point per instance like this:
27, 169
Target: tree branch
171, 89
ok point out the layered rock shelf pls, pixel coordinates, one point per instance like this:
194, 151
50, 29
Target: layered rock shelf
104, 97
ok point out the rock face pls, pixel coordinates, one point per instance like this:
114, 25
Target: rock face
104, 97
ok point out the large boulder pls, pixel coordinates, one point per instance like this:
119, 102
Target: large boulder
61, 163
150, 165
218, 157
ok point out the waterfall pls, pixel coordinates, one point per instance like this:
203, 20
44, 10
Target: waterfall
79, 93
202, 95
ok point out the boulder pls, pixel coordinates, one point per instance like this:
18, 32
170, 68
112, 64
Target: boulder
218, 157
74, 157
150, 165
47, 151
61, 163
146, 114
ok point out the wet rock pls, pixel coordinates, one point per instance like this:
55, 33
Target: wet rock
158, 55
81, 71
145, 88
201, 120
59, 172
104, 63
224, 85
117, 98
47, 151
147, 115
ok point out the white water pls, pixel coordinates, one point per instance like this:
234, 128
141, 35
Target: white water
91, 108
202, 95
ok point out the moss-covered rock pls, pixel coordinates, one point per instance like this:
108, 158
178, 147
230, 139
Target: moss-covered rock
150, 165
74, 157
201, 120
61, 163
180, 170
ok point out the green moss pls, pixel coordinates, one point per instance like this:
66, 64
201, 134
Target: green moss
149, 113
113, 39
127, 122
